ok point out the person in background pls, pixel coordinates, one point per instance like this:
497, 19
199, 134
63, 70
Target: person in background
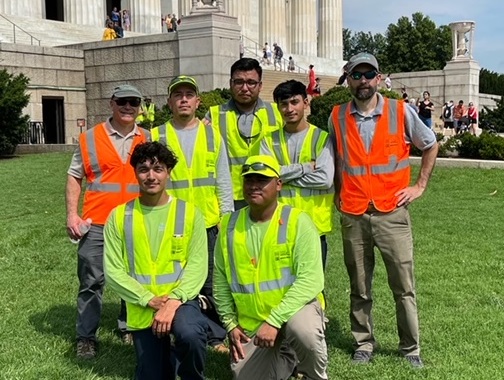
126, 20
119, 31
292, 66
447, 114
311, 81
460, 117
156, 259
472, 114
109, 33
388, 83
317, 90
425, 109
372, 136
278, 55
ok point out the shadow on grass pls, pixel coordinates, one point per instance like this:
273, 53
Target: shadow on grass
336, 338
114, 358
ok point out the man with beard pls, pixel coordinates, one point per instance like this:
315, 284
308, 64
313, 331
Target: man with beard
371, 136
244, 119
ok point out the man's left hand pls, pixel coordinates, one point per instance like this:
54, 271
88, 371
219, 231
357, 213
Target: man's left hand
408, 195
164, 317
266, 336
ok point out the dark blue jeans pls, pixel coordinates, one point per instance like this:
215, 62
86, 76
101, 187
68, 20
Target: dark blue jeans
154, 355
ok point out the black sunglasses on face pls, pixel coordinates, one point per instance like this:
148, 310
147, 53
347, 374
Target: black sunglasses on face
257, 166
133, 102
357, 75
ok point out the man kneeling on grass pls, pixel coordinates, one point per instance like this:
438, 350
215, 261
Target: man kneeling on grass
268, 280
156, 260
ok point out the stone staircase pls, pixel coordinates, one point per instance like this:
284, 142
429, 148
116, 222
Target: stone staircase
273, 78
30, 31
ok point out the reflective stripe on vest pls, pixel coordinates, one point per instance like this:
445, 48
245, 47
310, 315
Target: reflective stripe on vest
393, 164
96, 184
144, 279
287, 277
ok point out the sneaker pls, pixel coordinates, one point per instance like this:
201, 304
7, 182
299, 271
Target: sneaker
415, 361
86, 349
221, 348
127, 338
362, 357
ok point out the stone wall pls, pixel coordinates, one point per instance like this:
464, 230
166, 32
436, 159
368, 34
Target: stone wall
53, 72
147, 62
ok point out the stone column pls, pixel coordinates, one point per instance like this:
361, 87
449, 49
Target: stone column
247, 13
304, 27
84, 12
272, 22
185, 7
330, 31
27, 8
145, 16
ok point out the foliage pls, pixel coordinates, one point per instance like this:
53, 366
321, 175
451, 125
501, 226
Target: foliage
321, 106
13, 99
491, 82
208, 99
409, 45
493, 117
486, 147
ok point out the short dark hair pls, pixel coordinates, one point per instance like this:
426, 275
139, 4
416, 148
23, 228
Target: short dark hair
153, 151
289, 89
247, 64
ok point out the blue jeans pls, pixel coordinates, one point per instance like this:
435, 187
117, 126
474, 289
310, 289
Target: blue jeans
154, 355
426, 120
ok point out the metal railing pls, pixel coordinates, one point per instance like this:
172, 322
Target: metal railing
35, 133
15, 27
257, 51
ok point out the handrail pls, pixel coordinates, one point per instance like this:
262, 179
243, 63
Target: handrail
14, 26
258, 53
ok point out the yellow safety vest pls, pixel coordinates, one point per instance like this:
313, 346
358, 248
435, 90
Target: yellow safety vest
318, 203
149, 113
195, 184
225, 118
162, 275
258, 287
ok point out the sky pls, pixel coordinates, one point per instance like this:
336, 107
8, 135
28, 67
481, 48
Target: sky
375, 16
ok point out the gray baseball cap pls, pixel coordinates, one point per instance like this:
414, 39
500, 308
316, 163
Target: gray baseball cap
126, 91
359, 59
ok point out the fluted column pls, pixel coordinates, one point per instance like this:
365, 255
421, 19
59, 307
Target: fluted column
145, 16
247, 13
185, 7
330, 38
272, 22
304, 27
28, 8
84, 13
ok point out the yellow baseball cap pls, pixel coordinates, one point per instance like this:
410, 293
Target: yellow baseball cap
263, 165
182, 79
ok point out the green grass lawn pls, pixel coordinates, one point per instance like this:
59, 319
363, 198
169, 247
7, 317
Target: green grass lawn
459, 272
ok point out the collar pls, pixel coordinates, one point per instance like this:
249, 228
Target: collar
232, 105
111, 131
377, 111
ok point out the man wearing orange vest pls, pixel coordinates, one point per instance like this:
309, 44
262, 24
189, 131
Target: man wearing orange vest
372, 136
102, 159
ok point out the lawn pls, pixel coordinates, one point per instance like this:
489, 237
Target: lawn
459, 272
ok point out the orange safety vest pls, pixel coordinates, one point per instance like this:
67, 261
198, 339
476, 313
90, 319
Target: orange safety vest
109, 181
375, 176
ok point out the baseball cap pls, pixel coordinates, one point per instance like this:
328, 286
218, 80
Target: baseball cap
361, 58
182, 79
263, 165
126, 91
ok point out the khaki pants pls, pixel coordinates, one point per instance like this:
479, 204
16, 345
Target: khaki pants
391, 233
301, 342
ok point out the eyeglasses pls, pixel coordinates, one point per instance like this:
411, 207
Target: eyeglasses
357, 75
257, 166
133, 102
249, 82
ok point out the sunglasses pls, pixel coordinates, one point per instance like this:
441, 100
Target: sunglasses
133, 102
258, 166
357, 75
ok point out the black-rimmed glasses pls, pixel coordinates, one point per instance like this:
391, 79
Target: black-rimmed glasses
251, 83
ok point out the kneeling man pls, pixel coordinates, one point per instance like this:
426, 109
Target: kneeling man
268, 280
156, 260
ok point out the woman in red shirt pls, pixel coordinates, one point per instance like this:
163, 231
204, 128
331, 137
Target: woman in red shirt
472, 114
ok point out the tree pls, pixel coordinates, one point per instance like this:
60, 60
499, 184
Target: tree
491, 82
493, 117
354, 43
13, 99
416, 45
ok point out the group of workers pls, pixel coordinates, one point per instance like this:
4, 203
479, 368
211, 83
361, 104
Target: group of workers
262, 183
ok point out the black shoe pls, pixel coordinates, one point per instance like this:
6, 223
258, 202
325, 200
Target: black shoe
415, 361
361, 357
86, 349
